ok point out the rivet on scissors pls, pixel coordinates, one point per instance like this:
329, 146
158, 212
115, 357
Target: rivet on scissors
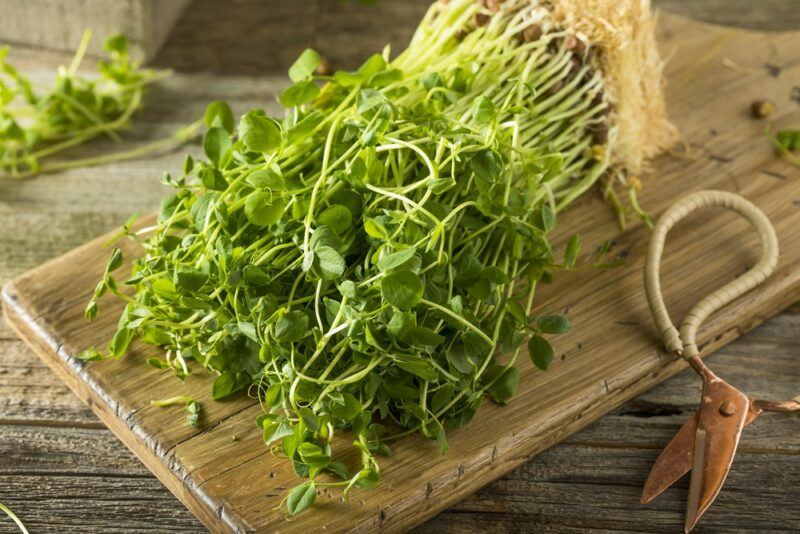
727, 408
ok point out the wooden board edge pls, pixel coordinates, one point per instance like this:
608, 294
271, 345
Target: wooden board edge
451, 487
71, 372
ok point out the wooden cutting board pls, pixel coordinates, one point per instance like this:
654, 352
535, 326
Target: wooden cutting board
223, 472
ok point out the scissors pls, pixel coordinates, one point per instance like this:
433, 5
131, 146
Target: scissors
707, 443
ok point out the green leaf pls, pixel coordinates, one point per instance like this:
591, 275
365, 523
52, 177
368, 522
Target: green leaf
370, 102
270, 179
485, 112
504, 383
367, 478
219, 114
313, 455
301, 497
348, 408
516, 311
190, 279
155, 336
225, 385
116, 43
100, 289
193, 409
485, 166
421, 336
348, 289
120, 342
441, 439
401, 323
541, 352
89, 355
396, 259
115, 261
248, 330
553, 324
545, 219
91, 309
254, 276
402, 289
417, 366
338, 469
372, 66
299, 93
789, 139
442, 396
433, 80
571, 254
158, 363
277, 429
331, 263
457, 356
495, 275
305, 65
309, 418
337, 217
258, 132
303, 129
168, 207
375, 229
291, 327
385, 77
347, 79
273, 394
217, 145
263, 209
188, 164
212, 179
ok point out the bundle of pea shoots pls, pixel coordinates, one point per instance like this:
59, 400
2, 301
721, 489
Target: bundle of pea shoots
368, 263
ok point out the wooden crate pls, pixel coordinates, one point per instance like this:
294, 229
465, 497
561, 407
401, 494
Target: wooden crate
59, 24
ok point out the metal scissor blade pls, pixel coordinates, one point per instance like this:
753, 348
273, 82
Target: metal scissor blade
722, 417
676, 458
673, 462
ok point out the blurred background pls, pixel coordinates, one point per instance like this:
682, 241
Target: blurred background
256, 37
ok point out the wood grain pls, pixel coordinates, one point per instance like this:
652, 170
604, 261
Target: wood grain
608, 358
48, 216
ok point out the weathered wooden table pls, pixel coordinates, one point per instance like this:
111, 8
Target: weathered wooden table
61, 470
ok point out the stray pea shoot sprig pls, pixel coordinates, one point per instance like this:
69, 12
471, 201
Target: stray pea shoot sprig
192, 407
37, 125
363, 263
787, 142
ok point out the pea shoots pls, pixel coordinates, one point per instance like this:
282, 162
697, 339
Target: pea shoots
368, 263
36, 125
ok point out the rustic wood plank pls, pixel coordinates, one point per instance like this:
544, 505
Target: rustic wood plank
576, 488
771, 15
30, 393
549, 407
102, 503
569, 488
